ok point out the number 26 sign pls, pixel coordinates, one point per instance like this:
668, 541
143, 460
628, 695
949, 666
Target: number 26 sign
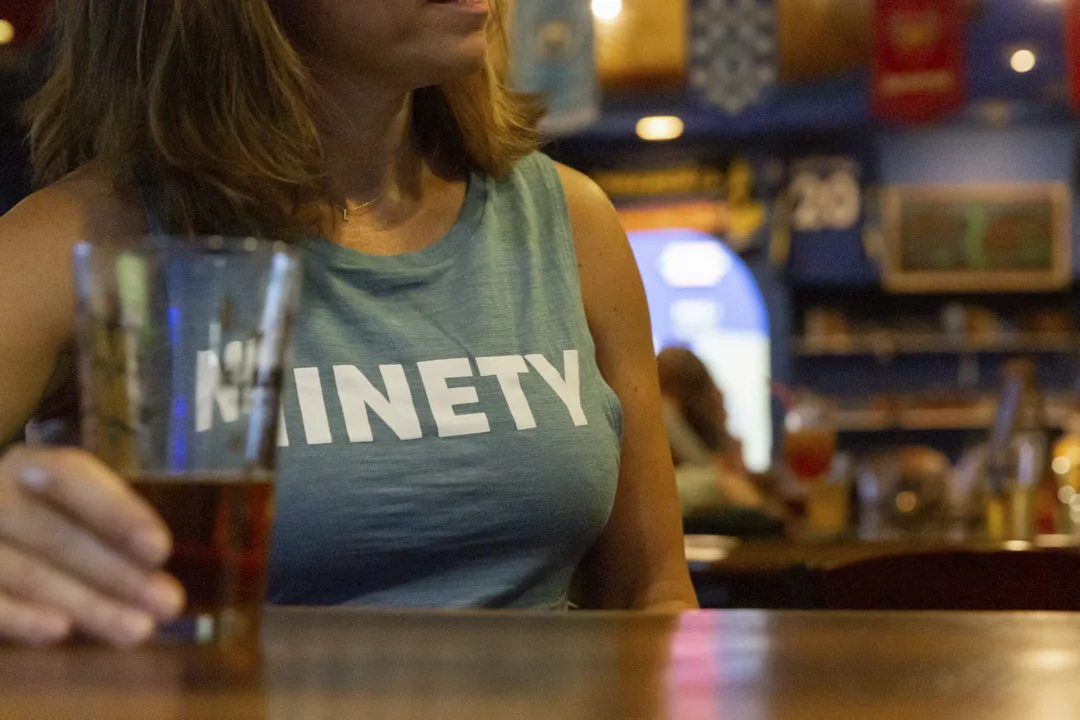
825, 195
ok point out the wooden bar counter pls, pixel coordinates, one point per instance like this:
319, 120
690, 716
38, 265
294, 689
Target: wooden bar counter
723, 554
386, 666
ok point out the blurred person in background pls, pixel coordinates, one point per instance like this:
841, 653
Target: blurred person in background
710, 471
378, 136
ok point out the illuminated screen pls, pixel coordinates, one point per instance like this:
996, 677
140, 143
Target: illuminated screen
703, 297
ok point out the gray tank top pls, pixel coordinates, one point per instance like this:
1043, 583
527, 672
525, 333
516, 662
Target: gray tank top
448, 440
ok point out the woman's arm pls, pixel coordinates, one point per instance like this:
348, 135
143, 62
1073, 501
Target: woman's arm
36, 304
639, 562
37, 292
78, 549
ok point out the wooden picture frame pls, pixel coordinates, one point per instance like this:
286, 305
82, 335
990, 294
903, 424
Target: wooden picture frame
910, 211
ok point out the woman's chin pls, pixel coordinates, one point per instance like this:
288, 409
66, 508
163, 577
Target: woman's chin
470, 54
452, 66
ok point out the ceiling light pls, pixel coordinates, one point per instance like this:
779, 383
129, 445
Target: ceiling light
1023, 61
607, 10
660, 127
7, 32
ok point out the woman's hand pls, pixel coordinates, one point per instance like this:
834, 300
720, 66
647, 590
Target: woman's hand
79, 551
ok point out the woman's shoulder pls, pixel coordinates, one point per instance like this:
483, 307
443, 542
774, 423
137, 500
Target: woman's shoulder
82, 206
587, 202
606, 266
603, 250
37, 237
562, 189
37, 298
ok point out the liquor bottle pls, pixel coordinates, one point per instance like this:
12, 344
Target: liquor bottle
1017, 456
1066, 468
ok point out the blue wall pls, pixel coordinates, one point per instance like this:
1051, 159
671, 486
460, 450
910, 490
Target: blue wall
972, 155
999, 26
948, 155
967, 155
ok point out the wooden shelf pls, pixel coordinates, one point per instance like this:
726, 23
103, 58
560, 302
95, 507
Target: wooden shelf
976, 416
863, 420
966, 418
888, 344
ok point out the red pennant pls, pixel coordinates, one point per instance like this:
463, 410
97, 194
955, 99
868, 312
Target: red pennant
1072, 50
918, 60
28, 17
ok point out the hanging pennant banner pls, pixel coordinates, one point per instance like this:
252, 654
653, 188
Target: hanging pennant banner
734, 62
554, 56
1072, 50
918, 59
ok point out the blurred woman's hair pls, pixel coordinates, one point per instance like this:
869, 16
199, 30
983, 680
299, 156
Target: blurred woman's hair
686, 380
211, 105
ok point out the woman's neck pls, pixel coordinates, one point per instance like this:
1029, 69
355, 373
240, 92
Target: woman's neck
384, 197
368, 141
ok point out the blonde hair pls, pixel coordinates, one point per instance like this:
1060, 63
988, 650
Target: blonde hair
210, 105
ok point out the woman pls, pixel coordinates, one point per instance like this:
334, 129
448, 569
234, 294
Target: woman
375, 134
711, 471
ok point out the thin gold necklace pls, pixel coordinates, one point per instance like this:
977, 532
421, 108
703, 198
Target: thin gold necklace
346, 211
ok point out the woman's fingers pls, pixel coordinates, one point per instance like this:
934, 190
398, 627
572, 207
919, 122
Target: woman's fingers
22, 622
35, 585
93, 496
38, 529
79, 550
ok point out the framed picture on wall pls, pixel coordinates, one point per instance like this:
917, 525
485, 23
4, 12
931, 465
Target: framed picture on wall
977, 238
